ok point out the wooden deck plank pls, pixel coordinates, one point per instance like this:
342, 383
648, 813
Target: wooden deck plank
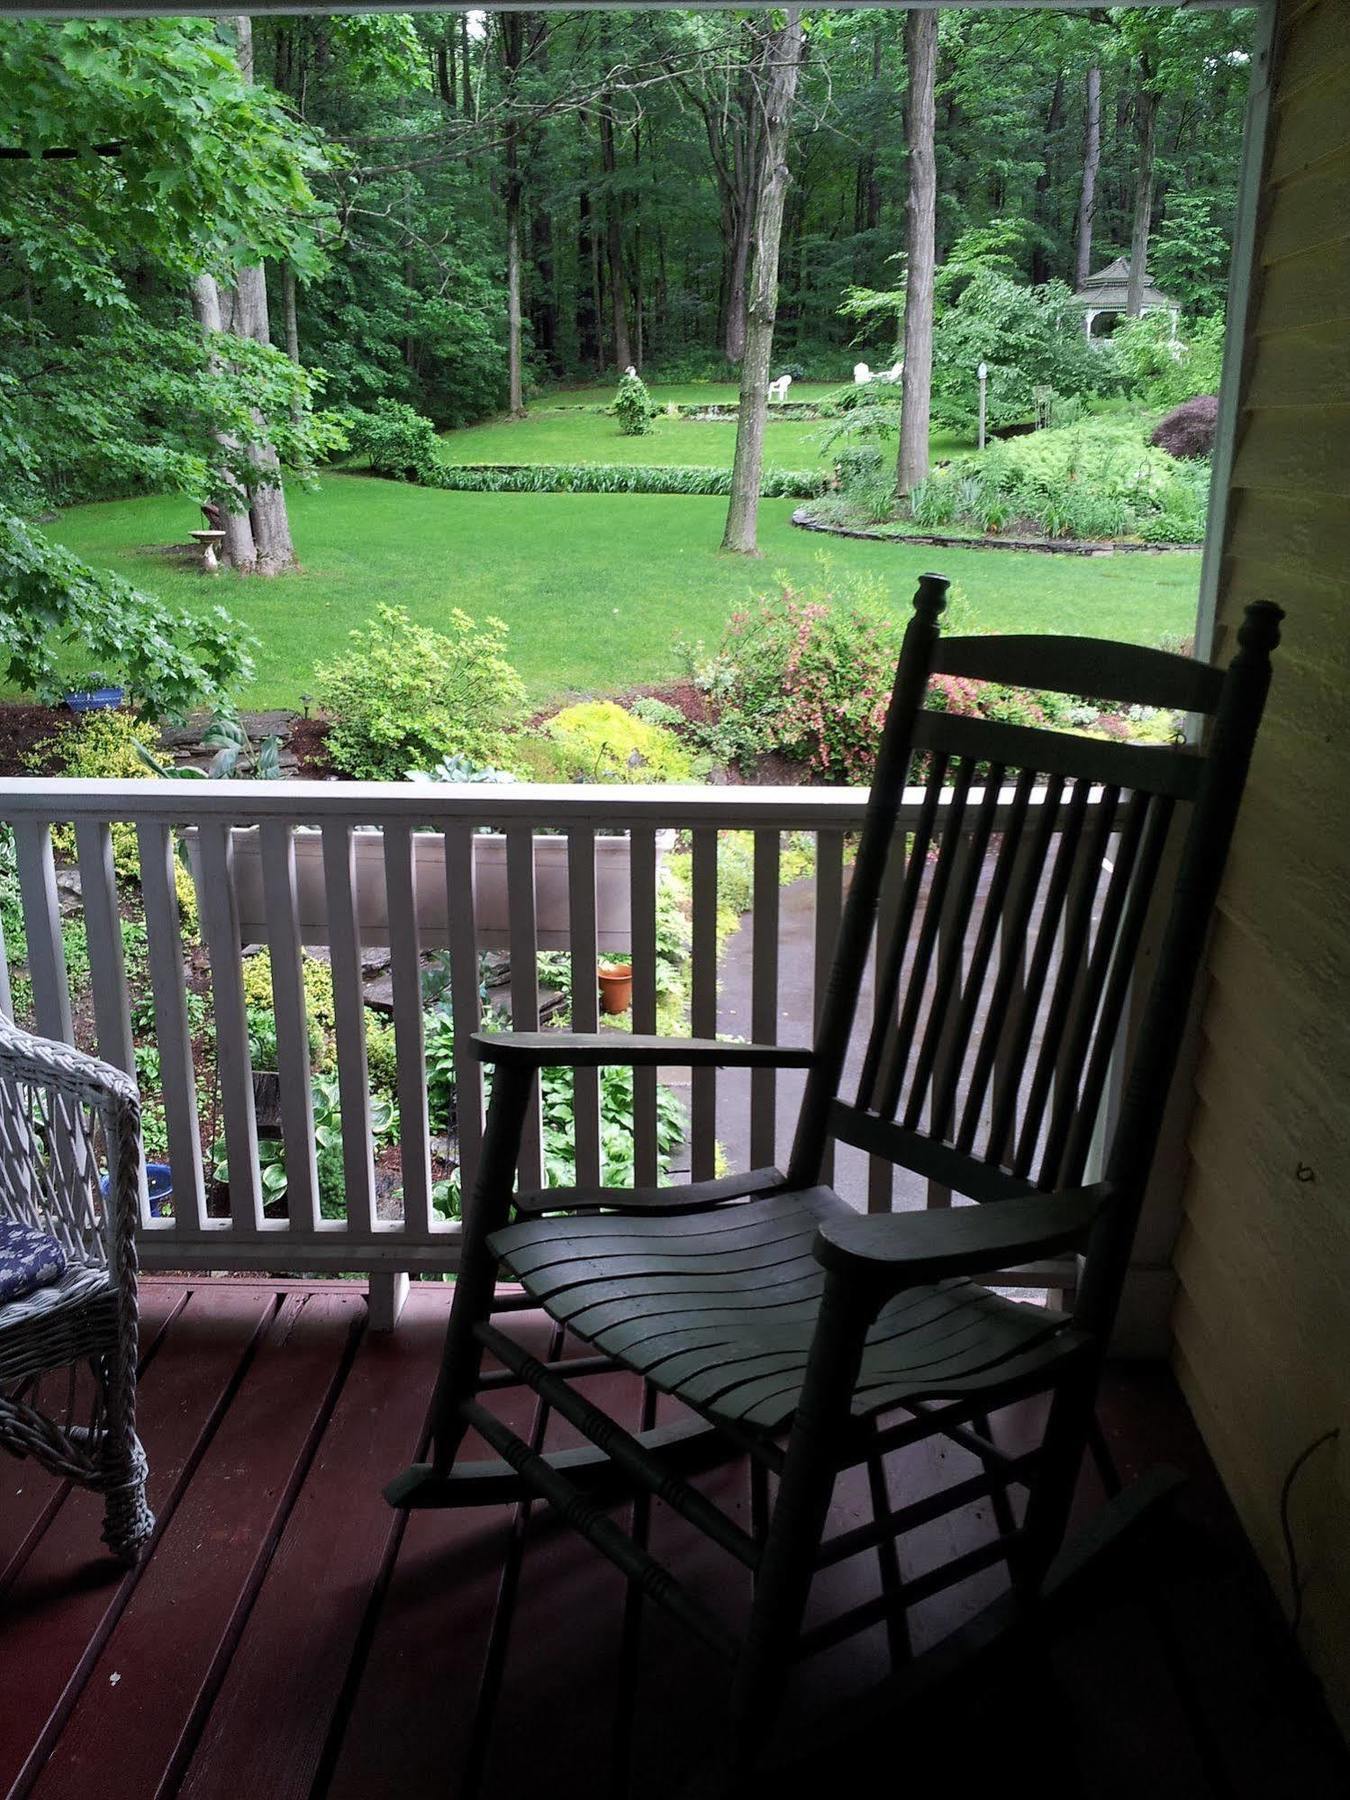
301, 1606
412, 1712
269, 1725
680, 1686
149, 1688
29, 1496
69, 1593
559, 1685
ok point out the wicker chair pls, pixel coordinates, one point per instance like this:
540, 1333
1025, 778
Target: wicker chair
63, 1117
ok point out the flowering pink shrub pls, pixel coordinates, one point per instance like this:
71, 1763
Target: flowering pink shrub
808, 679
811, 680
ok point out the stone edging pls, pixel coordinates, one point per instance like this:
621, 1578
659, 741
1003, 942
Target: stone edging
1046, 546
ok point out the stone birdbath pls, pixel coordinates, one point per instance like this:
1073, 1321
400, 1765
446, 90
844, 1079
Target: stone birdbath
207, 541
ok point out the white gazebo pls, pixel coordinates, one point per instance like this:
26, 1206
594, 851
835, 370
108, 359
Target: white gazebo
1107, 292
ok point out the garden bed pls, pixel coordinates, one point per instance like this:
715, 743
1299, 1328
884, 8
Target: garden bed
23, 726
951, 540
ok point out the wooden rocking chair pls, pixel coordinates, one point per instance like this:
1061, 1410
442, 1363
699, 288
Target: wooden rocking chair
815, 1338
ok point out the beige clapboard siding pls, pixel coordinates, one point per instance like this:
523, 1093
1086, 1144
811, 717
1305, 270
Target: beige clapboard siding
1307, 210
1314, 125
1292, 449
1262, 1324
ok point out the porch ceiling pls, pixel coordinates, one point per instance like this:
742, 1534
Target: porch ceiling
139, 9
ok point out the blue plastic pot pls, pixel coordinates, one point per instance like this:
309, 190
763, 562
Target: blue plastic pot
95, 699
159, 1186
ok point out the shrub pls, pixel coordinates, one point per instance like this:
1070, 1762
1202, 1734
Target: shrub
1029, 337
1188, 430
381, 1054
102, 746
405, 696
320, 1010
616, 478
1164, 370
807, 677
400, 443
598, 740
1095, 479
54, 608
633, 405
867, 477
658, 712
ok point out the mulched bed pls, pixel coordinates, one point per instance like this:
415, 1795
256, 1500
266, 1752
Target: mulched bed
308, 743
22, 728
682, 695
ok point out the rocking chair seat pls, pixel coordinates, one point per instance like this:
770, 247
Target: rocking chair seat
719, 1309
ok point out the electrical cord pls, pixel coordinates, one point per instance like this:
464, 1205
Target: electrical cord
1297, 1581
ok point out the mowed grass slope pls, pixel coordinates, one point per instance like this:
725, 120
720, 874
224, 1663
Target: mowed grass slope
598, 590
558, 429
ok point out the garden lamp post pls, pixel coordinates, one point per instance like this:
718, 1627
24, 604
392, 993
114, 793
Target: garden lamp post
983, 373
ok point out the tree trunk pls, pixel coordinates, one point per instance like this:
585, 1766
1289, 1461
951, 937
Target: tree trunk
588, 299
623, 354
1054, 118
1092, 156
238, 549
267, 509
516, 382
734, 327
445, 68
781, 67
1147, 122
512, 27
921, 39
466, 72
291, 323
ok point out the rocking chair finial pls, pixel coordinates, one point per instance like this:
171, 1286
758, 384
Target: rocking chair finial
1259, 632
930, 597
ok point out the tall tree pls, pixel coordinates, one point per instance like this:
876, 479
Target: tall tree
921, 50
1092, 156
1146, 132
272, 545
618, 285
239, 549
781, 67
511, 26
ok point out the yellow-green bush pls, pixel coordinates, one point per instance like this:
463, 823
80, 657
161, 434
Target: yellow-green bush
320, 1013
101, 746
597, 740
381, 1056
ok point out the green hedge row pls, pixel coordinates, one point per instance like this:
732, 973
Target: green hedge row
616, 478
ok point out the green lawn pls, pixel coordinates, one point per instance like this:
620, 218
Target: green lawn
597, 589
677, 393
557, 430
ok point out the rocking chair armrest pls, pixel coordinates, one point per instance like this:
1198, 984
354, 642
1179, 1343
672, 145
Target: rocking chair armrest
910, 1248
603, 1049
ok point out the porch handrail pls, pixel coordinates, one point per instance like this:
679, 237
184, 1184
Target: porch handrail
527, 814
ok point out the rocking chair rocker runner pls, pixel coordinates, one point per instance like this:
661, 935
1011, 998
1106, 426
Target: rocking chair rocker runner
813, 1338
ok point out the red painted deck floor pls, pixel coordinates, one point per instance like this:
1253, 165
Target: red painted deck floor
291, 1636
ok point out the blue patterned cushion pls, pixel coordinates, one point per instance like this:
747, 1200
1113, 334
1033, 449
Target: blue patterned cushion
28, 1259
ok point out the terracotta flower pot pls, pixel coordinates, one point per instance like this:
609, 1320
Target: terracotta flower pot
616, 986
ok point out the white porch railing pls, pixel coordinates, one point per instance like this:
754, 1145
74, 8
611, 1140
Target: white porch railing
305, 860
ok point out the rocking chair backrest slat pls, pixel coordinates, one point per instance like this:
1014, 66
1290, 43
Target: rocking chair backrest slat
1156, 768
1004, 966
1127, 673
